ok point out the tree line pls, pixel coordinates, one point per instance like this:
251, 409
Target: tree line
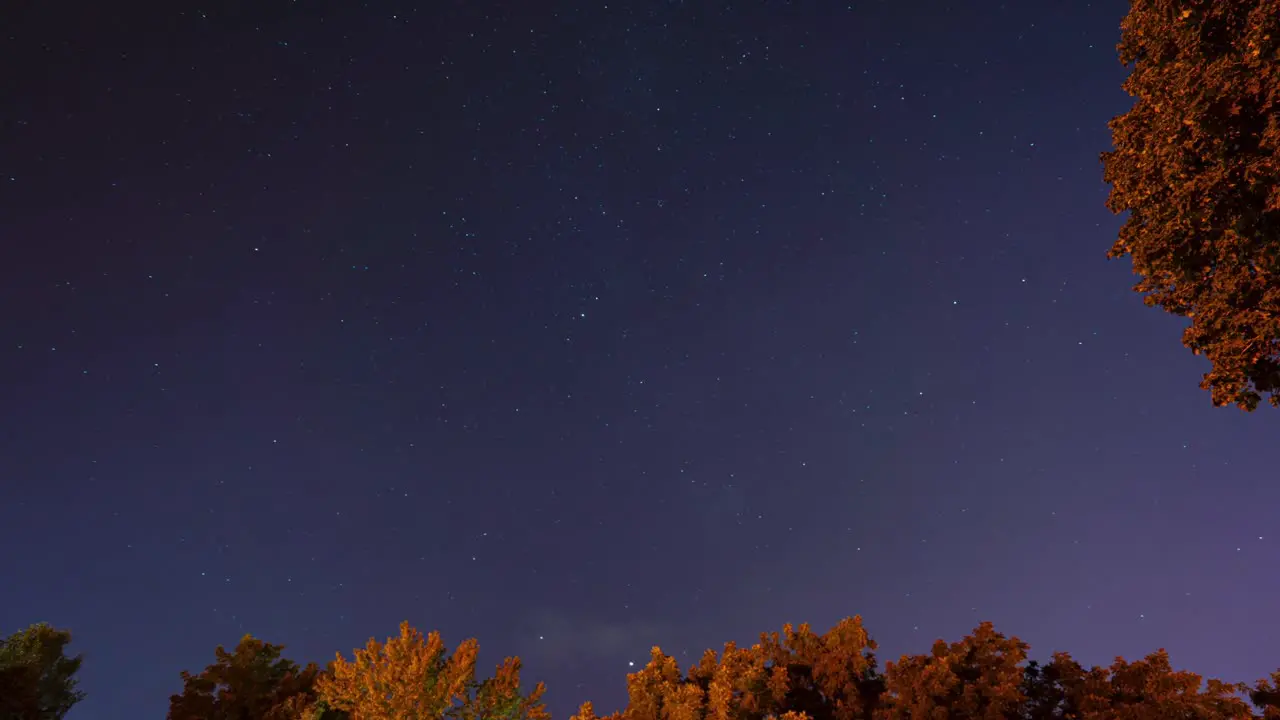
796, 674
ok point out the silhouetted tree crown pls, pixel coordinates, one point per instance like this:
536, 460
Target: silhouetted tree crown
37, 679
252, 683
1196, 166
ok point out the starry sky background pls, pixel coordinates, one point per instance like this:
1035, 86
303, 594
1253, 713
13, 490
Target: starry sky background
583, 328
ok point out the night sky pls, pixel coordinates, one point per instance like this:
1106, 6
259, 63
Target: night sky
581, 328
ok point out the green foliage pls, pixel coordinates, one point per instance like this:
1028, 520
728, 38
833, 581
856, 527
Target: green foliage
1196, 165
252, 683
37, 679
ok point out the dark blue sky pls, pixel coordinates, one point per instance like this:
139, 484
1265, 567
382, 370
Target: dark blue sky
581, 329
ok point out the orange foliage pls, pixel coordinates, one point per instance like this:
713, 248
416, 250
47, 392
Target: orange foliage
411, 677
1196, 167
796, 676
978, 678
793, 675
799, 675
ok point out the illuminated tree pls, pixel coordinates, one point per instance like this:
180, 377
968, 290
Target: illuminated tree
1196, 166
793, 676
252, 683
1266, 695
978, 678
411, 677
37, 679
832, 676
1150, 689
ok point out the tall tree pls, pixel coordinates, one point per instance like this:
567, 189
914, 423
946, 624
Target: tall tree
1196, 165
412, 677
252, 683
37, 679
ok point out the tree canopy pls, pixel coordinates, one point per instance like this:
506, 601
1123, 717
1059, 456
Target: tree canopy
252, 683
795, 674
984, 676
37, 679
413, 677
1196, 165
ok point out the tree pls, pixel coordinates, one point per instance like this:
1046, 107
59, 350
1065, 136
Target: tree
833, 676
1052, 690
798, 675
1196, 164
37, 679
252, 683
411, 677
985, 676
1150, 689
733, 686
1266, 695
979, 678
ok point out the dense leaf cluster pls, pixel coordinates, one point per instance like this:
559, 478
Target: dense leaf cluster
1196, 165
37, 679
